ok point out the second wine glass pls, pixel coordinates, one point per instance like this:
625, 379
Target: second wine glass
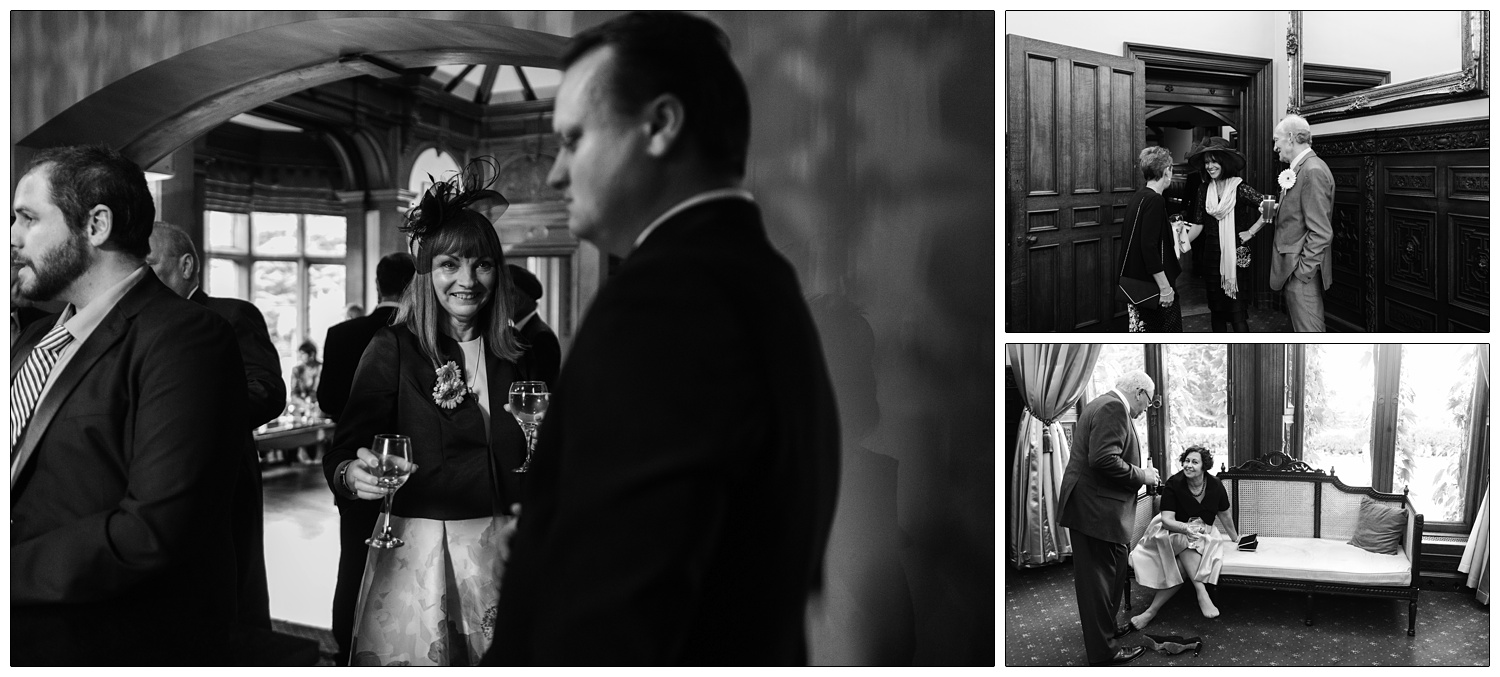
394, 452
528, 403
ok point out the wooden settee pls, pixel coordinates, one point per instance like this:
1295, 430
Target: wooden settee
1305, 519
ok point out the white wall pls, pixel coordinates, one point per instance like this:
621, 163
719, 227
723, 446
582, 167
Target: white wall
1410, 45
1238, 33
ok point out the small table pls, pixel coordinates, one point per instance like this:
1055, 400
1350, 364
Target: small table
292, 433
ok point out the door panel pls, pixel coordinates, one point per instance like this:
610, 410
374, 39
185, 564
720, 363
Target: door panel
1073, 131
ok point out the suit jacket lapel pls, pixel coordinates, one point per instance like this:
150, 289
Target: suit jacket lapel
106, 335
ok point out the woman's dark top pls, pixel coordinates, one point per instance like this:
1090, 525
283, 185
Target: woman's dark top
1151, 251
1206, 247
460, 474
1177, 497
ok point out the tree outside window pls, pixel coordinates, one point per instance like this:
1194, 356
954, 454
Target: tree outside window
1432, 427
1197, 376
1338, 398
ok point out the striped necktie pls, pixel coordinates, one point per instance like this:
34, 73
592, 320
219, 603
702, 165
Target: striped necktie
26, 387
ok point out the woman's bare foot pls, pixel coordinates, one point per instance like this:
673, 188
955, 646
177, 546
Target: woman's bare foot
1206, 605
1140, 622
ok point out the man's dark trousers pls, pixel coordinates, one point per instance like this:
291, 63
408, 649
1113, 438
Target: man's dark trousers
1099, 578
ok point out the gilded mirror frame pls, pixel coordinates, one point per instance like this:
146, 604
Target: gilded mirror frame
1472, 81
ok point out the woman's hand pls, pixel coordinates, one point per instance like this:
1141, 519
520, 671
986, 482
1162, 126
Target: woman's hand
1168, 296
364, 483
1245, 236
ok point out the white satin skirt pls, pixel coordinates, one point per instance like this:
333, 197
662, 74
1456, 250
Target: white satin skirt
1155, 561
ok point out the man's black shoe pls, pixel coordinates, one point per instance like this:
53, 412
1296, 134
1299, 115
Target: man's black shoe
1125, 628
1124, 655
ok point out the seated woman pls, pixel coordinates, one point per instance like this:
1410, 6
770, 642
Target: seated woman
1180, 544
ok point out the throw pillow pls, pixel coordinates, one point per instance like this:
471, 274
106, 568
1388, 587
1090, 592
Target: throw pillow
1380, 527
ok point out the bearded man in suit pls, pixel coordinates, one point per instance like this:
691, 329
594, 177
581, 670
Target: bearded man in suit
342, 349
1303, 262
121, 411
651, 533
176, 262
1097, 503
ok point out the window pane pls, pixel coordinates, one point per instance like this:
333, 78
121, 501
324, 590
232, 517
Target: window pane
1339, 395
274, 234
1432, 427
1114, 360
325, 235
223, 279
229, 233
273, 286
325, 306
1198, 394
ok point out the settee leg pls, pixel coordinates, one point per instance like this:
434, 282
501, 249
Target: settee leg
1308, 618
1411, 618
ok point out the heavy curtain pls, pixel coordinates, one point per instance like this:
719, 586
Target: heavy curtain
1051, 378
1476, 559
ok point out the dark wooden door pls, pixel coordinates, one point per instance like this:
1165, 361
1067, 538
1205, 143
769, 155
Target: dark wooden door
1434, 241
1073, 128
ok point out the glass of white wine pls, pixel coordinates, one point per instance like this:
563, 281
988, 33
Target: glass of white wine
528, 403
394, 452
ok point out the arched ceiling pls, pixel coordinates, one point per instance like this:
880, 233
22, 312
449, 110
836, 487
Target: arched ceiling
151, 112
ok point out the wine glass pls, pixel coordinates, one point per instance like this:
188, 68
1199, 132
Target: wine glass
395, 466
528, 403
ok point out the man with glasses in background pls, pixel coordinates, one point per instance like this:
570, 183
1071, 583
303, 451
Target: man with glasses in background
1097, 502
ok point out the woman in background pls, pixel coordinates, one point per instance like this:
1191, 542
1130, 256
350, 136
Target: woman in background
306, 373
1180, 544
1150, 255
1229, 211
439, 375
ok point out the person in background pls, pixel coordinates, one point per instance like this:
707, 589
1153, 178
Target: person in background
1228, 210
1303, 263
541, 354
123, 414
306, 373
174, 258
1097, 502
353, 311
440, 376
1149, 251
342, 349
651, 534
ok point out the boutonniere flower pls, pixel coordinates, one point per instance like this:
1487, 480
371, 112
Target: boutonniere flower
1287, 179
450, 388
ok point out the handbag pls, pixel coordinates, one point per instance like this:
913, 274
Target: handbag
1130, 290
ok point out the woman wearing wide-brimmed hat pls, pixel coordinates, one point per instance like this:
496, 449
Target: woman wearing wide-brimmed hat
1229, 211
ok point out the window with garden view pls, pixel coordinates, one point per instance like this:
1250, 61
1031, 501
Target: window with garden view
1432, 427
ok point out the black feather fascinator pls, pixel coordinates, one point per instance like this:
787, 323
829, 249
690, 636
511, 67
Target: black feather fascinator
465, 197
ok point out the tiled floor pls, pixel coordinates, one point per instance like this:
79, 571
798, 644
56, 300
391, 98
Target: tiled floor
302, 544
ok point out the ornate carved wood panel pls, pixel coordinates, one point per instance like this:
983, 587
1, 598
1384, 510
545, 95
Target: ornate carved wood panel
1425, 192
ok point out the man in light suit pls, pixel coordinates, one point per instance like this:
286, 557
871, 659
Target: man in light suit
342, 350
1303, 262
1097, 503
685, 477
121, 412
176, 262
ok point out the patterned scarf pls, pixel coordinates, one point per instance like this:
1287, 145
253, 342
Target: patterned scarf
1221, 207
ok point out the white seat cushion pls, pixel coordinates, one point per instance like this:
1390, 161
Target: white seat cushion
1317, 559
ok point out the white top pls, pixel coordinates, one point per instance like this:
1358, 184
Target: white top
700, 198
477, 377
81, 322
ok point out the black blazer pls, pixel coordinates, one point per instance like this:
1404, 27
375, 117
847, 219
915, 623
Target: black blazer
684, 481
345, 344
266, 390
1151, 249
1097, 495
457, 469
541, 356
120, 548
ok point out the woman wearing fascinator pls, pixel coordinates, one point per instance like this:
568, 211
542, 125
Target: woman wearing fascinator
439, 376
1229, 211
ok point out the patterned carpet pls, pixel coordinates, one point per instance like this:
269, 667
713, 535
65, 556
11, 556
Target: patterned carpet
1255, 628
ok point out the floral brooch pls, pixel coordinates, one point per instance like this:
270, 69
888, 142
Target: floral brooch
1287, 179
450, 388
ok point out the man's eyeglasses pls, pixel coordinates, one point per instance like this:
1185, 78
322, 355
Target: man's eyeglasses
1153, 403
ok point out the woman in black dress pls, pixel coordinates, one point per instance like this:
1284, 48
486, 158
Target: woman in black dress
1181, 544
1229, 211
1149, 254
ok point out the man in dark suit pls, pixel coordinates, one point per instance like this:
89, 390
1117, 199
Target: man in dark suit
1303, 263
176, 263
680, 497
121, 552
1097, 503
541, 355
345, 344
